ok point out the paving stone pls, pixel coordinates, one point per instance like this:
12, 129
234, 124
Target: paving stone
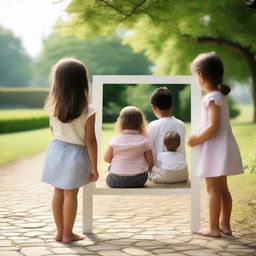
136, 251
186, 247
9, 248
172, 254
150, 237
9, 253
28, 229
159, 251
35, 251
70, 250
101, 247
202, 252
34, 233
31, 225
5, 243
112, 253
244, 250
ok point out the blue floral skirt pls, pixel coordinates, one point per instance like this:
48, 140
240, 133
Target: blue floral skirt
66, 165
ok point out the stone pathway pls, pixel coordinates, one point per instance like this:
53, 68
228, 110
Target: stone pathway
130, 225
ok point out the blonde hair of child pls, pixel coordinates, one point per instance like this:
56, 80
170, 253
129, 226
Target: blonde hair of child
132, 118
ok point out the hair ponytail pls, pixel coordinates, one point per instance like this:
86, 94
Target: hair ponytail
224, 89
211, 67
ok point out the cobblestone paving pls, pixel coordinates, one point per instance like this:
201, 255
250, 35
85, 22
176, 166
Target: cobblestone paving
123, 225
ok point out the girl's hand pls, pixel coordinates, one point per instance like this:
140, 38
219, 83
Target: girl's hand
94, 176
193, 140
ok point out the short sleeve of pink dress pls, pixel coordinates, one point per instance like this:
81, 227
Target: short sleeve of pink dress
220, 155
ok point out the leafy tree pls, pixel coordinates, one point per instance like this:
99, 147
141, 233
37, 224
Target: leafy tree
15, 69
172, 33
102, 56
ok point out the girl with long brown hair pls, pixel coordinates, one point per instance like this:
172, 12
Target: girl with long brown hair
71, 157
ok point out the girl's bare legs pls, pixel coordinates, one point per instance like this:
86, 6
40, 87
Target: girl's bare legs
214, 189
69, 215
226, 208
57, 208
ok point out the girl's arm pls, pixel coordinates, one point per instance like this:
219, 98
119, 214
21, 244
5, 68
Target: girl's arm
108, 155
214, 116
91, 143
149, 158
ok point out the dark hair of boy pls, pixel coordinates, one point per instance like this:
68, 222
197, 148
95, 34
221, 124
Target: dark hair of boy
162, 98
172, 141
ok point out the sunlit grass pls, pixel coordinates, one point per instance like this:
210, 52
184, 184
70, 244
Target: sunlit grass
22, 113
18, 145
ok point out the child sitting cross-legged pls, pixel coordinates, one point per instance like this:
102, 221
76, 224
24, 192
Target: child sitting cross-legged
129, 152
171, 165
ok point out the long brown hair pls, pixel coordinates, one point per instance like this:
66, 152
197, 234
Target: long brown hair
211, 67
132, 118
68, 97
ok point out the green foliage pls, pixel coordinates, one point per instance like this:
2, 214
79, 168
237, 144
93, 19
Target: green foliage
16, 125
233, 109
22, 97
169, 32
185, 105
102, 56
15, 65
136, 95
22, 120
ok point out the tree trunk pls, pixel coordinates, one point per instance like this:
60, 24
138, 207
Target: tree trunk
246, 54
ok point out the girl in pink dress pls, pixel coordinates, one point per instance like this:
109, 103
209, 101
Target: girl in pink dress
219, 152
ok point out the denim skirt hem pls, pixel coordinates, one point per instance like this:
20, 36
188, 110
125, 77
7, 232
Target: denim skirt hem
66, 165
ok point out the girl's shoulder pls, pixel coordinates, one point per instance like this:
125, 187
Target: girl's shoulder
88, 111
215, 96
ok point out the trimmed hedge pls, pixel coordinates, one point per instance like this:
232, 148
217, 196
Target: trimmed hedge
23, 97
16, 125
14, 120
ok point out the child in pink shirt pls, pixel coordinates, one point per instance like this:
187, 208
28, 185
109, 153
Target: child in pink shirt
129, 152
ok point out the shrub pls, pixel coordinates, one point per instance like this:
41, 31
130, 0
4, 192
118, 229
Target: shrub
22, 98
14, 120
15, 125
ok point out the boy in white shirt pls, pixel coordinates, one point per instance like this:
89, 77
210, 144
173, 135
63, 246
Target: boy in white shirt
161, 103
171, 165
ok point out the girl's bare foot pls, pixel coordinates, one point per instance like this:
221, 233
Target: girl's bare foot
73, 237
210, 233
226, 230
58, 237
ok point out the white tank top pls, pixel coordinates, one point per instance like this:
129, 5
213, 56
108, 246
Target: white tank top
73, 132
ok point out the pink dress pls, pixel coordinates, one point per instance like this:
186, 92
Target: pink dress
220, 155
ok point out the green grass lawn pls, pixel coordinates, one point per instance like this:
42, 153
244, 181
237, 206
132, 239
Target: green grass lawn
21, 113
18, 145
